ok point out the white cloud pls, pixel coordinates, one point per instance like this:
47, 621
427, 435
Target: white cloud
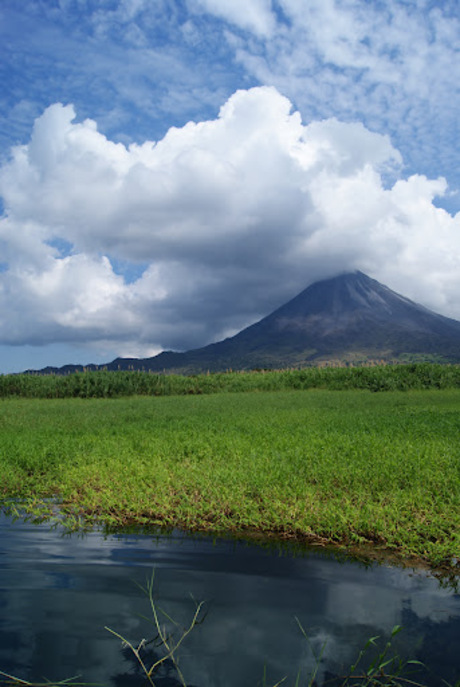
256, 16
232, 217
139, 66
394, 66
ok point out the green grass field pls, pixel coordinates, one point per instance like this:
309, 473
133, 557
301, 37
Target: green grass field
345, 466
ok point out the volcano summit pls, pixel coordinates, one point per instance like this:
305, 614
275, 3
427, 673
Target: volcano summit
350, 319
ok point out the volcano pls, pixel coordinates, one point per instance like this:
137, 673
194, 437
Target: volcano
347, 319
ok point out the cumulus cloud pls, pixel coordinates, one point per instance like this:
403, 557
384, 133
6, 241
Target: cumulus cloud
139, 67
216, 224
395, 66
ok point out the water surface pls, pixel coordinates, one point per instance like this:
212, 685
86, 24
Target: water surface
58, 592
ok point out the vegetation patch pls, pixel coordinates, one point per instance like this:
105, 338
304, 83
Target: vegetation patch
339, 376
351, 467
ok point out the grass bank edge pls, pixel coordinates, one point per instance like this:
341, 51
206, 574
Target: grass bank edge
233, 465
71, 518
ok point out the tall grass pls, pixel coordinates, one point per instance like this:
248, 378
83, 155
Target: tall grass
107, 384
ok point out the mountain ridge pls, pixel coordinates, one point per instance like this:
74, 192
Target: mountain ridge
350, 318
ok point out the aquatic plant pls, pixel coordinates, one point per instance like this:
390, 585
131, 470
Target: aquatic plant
165, 639
386, 668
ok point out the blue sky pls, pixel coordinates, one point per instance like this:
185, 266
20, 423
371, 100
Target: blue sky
172, 171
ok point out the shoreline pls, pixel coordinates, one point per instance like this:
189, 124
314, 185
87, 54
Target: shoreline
365, 553
359, 471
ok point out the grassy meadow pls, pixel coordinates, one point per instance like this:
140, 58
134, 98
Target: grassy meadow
349, 466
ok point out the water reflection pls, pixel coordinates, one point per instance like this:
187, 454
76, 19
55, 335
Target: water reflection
57, 594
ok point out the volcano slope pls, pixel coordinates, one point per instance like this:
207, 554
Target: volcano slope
347, 319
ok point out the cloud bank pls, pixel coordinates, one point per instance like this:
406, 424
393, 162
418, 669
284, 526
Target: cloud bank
180, 242
394, 65
138, 67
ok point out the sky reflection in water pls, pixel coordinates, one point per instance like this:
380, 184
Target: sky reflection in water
58, 592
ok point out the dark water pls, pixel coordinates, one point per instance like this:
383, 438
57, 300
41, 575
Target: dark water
57, 593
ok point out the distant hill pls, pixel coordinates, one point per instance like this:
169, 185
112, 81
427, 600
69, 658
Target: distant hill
349, 319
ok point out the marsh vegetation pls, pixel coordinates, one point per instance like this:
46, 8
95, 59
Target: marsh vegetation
350, 467
109, 384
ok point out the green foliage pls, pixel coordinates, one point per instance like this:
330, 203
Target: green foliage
107, 384
349, 467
